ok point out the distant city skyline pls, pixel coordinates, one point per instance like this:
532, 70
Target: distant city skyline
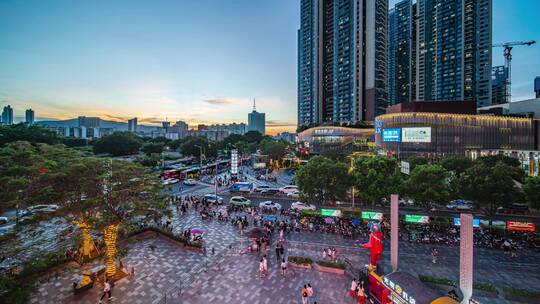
196, 61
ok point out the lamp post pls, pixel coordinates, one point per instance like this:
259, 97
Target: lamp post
200, 159
352, 171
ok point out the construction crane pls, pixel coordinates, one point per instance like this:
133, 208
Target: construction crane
508, 46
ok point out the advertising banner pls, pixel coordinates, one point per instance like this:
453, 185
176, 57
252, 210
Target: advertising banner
372, 215
520, 226
330, 212
476, 222
419, 135
391, 135
418, 219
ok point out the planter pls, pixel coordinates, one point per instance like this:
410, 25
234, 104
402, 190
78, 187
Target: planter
332, 270
301, 266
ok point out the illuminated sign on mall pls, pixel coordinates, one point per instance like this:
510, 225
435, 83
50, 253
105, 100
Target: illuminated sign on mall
391, 135
371, 215
324, 131
330, 212
418, 219
378, 126
420, 135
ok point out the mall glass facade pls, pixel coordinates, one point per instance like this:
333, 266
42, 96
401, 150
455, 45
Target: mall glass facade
438, 135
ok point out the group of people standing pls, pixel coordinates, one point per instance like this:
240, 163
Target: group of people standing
357, 291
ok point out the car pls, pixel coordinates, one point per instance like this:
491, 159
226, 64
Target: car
239, 201
289, 188
3, 220
189, 182
261, 188
212, 198
170, 181
298, 206
270, 191
406, 202
269, 205
295, 194
459, 204
43, 208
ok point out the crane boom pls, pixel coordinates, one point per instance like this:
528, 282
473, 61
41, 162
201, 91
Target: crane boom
508, 46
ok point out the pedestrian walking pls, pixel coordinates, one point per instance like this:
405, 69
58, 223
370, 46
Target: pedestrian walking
261, 268
304, 295
434, 255
278, 253
265, 264
106, 290
354, 285
283, 267
309, 291
360, 293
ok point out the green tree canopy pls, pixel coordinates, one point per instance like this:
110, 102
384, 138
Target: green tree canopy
152, 148
118, 144
456, 164
489, 186
274, 149
531, 188
323, 180
192, 146
253, 136
428, 184
416, 161
376, 177
25, 132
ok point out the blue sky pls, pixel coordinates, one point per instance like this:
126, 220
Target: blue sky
194, 60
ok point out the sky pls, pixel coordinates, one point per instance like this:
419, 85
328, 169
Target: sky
201, 61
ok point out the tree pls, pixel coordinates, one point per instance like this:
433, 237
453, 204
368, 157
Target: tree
152, 148
416, 161
428, 184
531, 188
376, 177
24, 132
323, 180
274, 149
456, 164
194, 145
253, 136
489, 186
118, 144
512, 164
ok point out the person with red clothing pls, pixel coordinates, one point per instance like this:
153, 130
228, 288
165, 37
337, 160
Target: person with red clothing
375, 245
360, 293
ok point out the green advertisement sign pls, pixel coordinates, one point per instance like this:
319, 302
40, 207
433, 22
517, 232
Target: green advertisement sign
330, 212
418, 219
372, 215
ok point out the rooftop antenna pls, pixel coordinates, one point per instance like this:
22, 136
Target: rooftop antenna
254, 109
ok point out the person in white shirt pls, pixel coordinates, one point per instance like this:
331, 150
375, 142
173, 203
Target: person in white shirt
106, 290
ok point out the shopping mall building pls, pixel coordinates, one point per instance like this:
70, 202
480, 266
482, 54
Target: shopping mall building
343, 140
439, 129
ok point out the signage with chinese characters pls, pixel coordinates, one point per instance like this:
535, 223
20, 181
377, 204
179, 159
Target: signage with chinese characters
330, 212
324, 131
378, 126
418, 219
405, 167
234, 161
372, 215
520, 226
419, 135
391, 135
476, 222
398, 294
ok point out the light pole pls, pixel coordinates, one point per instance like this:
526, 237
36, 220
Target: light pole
352, 172
200, 160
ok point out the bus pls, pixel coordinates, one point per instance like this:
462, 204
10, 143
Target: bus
176, 174
241, 187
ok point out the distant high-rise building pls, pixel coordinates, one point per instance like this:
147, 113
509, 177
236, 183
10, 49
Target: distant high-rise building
165, 125
7, 115
180, 128
402, 53
498, 85
537, 86
454, 40
256, 121
89, 122
29, 115
342, 60
132, 125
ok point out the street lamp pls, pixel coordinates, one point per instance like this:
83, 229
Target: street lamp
352, 171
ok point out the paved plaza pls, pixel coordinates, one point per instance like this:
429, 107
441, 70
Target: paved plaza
227, 276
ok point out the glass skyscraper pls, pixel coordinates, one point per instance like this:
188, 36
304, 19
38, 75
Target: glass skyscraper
7, 115
498, 84
454, 50
342, 58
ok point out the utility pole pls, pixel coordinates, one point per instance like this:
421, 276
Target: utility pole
352, 171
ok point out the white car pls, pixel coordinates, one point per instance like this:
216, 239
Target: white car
212, 198
170, 181
239, 201
295, 194
261, 188
43, 208
189, 182
3, 220
302, 206
288, 189
459, 205
269, 205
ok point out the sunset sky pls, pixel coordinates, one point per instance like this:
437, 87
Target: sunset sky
202, 61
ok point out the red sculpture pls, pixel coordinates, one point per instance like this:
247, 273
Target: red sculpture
374, 245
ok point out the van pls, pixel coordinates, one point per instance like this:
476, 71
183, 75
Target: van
241, 187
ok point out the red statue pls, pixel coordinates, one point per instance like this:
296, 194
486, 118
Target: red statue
375, 245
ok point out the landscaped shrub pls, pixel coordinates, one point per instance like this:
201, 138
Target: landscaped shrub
332, 264
300, 260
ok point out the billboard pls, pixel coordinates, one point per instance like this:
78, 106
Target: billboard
418, 219
391, 135
520, 226
330, 212
378, 126
372, 215
420, 135
475, 222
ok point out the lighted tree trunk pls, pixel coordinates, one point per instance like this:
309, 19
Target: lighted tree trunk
87, 242
109, 237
